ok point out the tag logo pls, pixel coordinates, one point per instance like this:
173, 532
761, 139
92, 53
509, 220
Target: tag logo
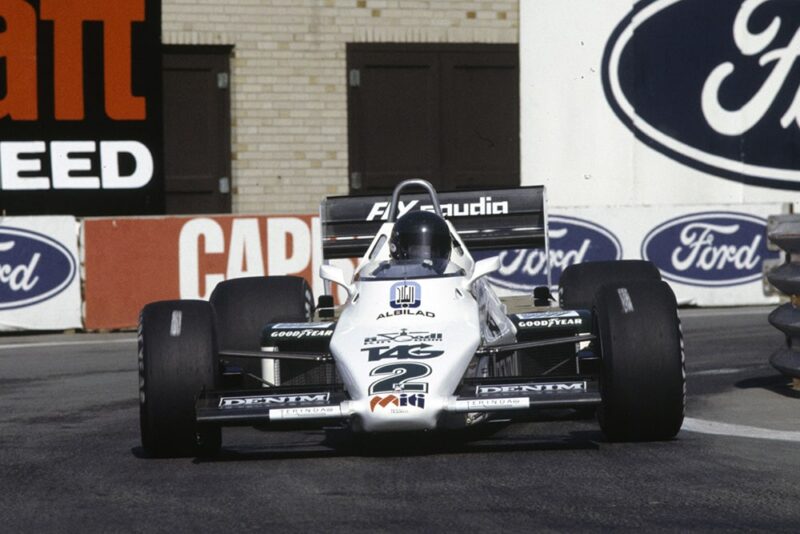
709, 249
33, 268
419, 351
726, 101
405, 295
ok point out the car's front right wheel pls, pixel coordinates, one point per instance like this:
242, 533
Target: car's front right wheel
643, 382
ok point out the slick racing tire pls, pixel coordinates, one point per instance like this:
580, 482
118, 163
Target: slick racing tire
579, 283
643, 382
177, 361
244, 305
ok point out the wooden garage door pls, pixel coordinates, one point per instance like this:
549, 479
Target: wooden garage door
197, 129
445, 113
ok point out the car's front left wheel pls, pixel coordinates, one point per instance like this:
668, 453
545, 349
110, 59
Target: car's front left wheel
177, 361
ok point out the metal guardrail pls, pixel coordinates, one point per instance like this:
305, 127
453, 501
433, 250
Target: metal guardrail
784, 232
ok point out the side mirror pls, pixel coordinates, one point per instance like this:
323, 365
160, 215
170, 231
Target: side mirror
482, 268
335, 275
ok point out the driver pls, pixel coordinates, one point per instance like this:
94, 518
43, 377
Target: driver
421, 235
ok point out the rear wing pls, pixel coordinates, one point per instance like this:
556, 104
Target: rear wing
486, 219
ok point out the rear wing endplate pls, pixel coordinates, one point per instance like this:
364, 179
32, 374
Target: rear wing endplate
486, 219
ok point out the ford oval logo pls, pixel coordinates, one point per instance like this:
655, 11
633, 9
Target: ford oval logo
33, 268
714, 87
709, 249
572, 240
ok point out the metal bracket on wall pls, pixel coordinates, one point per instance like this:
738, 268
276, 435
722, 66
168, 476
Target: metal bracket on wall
224, 185
355, 180
355, 78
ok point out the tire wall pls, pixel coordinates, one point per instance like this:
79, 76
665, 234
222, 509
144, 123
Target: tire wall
784, 232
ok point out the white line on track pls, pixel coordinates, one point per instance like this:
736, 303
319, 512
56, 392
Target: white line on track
65, 343
724, 312
702, 426
726, 370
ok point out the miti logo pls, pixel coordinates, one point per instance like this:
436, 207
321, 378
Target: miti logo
416, 400
405, 295
709, 249
713, 85
19, 46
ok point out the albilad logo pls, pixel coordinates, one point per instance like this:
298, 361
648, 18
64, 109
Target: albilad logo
709, 249
33, 268
713, 85
572, 240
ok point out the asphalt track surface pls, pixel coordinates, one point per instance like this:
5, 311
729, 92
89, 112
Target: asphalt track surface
70, 459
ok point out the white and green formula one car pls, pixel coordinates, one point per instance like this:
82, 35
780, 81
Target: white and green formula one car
422, 342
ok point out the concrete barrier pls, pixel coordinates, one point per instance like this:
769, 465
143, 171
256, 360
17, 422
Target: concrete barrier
784, 232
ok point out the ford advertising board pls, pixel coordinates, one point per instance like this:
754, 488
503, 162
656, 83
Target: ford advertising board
674, 124
39, 282
715, 89
33, 268
710, 255
572, 240
712, 249
655, 103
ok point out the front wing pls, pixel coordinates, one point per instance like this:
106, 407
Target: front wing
517, 395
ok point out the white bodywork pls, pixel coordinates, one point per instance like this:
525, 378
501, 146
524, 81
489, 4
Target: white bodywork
402, 346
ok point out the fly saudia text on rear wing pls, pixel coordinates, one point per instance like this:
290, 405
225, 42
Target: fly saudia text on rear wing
486, 219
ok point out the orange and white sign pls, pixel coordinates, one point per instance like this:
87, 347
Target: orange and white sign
132, 261
80, 99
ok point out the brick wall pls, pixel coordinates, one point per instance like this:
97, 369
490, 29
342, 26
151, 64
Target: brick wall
289, 90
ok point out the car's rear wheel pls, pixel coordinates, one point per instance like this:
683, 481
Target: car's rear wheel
244, 305
579, 283
177, 361
643, 382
